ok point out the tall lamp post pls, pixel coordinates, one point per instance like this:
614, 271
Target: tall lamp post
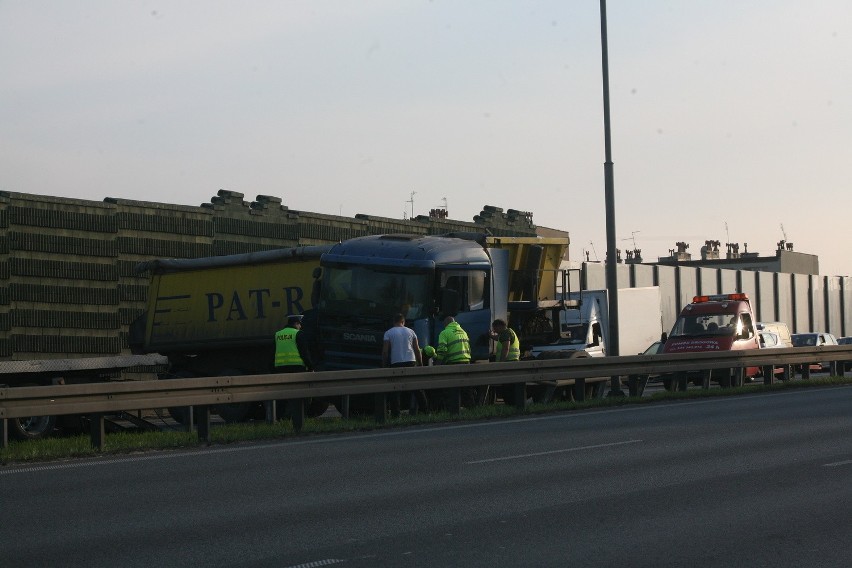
609, 196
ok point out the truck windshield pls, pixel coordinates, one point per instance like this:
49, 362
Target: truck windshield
374, 290
707, 324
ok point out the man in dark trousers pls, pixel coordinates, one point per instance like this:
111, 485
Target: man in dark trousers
292, 355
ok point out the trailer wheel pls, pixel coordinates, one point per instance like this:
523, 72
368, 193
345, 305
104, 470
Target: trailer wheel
180, 414
237, 411
31, 427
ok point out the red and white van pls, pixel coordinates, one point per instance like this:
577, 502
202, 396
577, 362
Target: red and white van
722, 322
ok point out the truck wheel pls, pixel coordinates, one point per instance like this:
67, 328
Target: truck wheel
235, 412
180, 414
588, 392
32, 427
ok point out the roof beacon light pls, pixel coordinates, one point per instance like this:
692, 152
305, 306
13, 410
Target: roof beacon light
719, 298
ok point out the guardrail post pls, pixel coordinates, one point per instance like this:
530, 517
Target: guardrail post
395, 404
270, 409
739, 377
682, 380
840, 368
190, 421
453, 397
768, 374
297, 413
204, 423
832, 368
381, 407
806, 371
579, 390
706, 375
4, 433
97, 430
636, 384
344, 406
519, 394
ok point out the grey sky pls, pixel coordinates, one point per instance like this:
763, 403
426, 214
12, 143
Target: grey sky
723, 112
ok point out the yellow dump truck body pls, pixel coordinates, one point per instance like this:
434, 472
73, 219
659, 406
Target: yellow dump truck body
526, 253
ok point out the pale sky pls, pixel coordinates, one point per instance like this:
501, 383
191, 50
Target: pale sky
730, 119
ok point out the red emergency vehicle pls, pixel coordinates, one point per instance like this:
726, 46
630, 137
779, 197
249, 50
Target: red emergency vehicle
722, 322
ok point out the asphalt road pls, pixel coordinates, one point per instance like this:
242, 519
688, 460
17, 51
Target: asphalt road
756, 480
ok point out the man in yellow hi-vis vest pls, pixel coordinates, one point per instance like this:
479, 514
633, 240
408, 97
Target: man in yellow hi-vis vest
507, 347
291, 349
453, 344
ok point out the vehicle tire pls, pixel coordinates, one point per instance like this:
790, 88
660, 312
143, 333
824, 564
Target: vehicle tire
237, 411
588, 392
31, 427
180, 414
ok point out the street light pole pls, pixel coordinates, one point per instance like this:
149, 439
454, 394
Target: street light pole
609, 196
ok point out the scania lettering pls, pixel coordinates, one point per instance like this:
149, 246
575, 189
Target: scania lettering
359, 337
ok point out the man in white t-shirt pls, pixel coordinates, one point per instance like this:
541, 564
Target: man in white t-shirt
401, 348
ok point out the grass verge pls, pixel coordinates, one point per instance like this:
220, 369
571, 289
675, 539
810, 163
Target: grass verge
132, 442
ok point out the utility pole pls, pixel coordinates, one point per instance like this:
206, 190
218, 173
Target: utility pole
609, 195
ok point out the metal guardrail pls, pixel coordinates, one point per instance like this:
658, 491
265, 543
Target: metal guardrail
98, 398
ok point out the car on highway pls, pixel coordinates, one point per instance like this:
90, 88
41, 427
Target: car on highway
781, 329
814, 339
770, 340
654, 349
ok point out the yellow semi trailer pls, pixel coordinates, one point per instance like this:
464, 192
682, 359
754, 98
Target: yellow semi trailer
218, 315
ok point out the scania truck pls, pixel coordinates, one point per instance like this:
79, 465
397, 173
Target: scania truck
472, 277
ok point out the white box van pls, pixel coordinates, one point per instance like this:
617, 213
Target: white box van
779, 328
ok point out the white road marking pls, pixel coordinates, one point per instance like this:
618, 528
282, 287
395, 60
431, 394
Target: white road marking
551, 452
835, 464
317, 563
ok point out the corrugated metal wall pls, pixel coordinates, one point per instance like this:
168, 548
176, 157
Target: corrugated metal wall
804, 302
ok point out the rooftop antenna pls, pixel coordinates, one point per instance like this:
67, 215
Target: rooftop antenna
593, 250
783, 232
632, 237
727, 235
411, 200
444, 199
